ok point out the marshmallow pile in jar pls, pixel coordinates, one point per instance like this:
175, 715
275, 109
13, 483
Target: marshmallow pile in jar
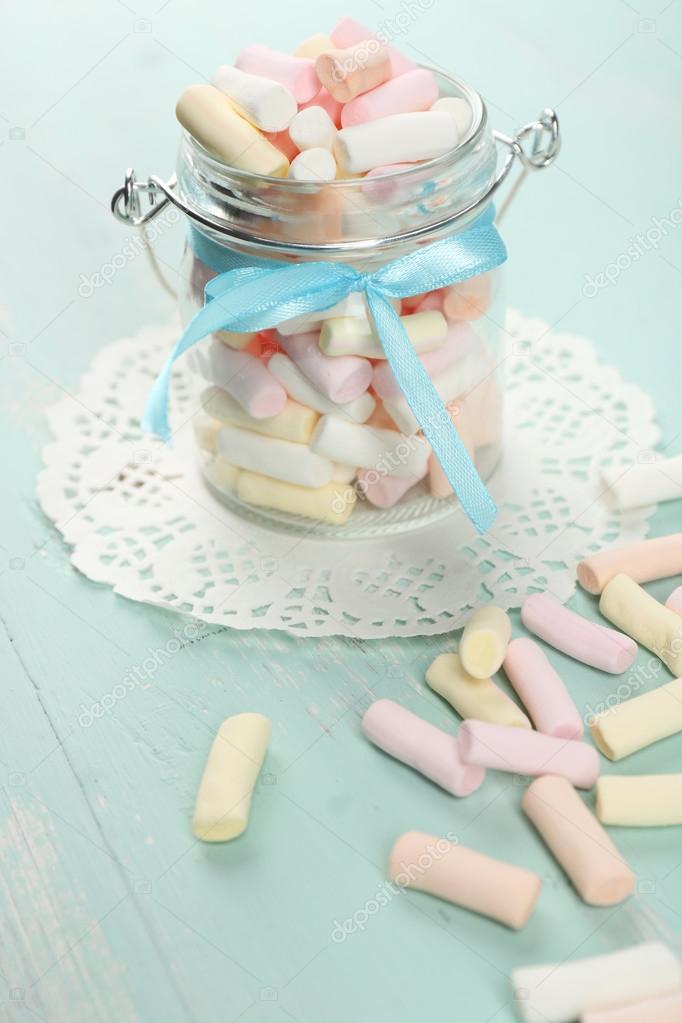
346, 140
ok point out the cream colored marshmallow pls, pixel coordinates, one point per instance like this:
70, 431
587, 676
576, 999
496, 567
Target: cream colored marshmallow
473, 697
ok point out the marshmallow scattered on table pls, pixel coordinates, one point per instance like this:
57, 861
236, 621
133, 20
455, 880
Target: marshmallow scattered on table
575, 636
385, 451
332, 503
564, 992
400, 138
640, 801
242, 375
297, 385
645, 619
281, 459
644, 562
415, 90
420, 745
666, 1009
674, 601
297, 74
312, 128
223, 801
295, 422
263, 102
639, 721
577, 841
356, 69
541, 690
491, 887
348, 335
642, 484
348, 32
473, 697
313, 165
339, 379
484, 641
517, 751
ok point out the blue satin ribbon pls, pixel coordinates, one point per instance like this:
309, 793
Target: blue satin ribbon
256, 294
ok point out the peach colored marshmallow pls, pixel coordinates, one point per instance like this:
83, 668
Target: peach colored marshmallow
415, 90
644, 562
349, 32
666, 1009
347, 73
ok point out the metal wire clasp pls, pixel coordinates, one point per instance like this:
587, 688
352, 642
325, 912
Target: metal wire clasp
126, 205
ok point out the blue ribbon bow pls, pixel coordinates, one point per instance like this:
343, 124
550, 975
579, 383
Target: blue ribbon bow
264, 293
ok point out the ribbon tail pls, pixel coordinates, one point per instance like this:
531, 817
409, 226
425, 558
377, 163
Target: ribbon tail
431, 414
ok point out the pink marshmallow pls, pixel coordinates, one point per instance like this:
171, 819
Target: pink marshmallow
385, 187
541, 690
585, 641
420, 745
385, 491
460, 340
282, 141
413, 91
243, 376
327, 102
349, 32
297, 74
340, 378
518, 751
674, 601
432, 301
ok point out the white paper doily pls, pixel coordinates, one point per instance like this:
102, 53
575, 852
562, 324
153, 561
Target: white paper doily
138, 517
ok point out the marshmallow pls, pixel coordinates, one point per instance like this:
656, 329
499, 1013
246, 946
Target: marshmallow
221, 473
314, 46
460, 339
457, 108
297, 74
281, 459
299, 387
349, 32
344, 473
641, 616
313, 165
420, 745
351, 305
470, 879
223, 801
400, 138
484, 641
385, 491
327, 102
241, 375
211, 119
439, 484
470, 299
347, 335
562, 992
575, 636
313, 128
383, 450
650, 483
383, 189
206, 430
667, 1009
415, 90
347, 73
541, 690
639, 722
332, 503
340, 380
473, 697
233, 339
261, 101
455, 382
644, 801
520, 752
644, 562
578, 842
295, 422
674, 601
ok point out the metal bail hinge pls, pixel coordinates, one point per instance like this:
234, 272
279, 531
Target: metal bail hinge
126, 204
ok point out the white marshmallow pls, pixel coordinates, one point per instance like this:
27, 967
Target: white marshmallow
280, 459
457, 108
351, 305
369, 448
400, 138
312, 128
649, 483
345, 335
240, 374
344, 473
297, 385
454, 382
313, 165
263, 102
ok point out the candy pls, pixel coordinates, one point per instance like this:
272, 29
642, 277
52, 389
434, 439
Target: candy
352, 305
206, 432
541, 690
484, 641
261, 101
578, 841
313, 128
209, 116
314, 46
344, 473
282, 141
643, 801
650, 483
383, 189
332, 503
641, 616
439, 484
325, 100
386, 451
385, 491
467, 878
340, 380
667, 1009
347, 73
223, 801
454, 382
415, 90
281, 459
347, 335
639, 722
520, 752
221, 473
644, 562
295, 422
457, 108
420, 745
313, 165
399, 138
241, 375
562, 992
297, 74
575, 636
674, 601
349, 32
470, 299
299, 387
233, 339
473, 697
